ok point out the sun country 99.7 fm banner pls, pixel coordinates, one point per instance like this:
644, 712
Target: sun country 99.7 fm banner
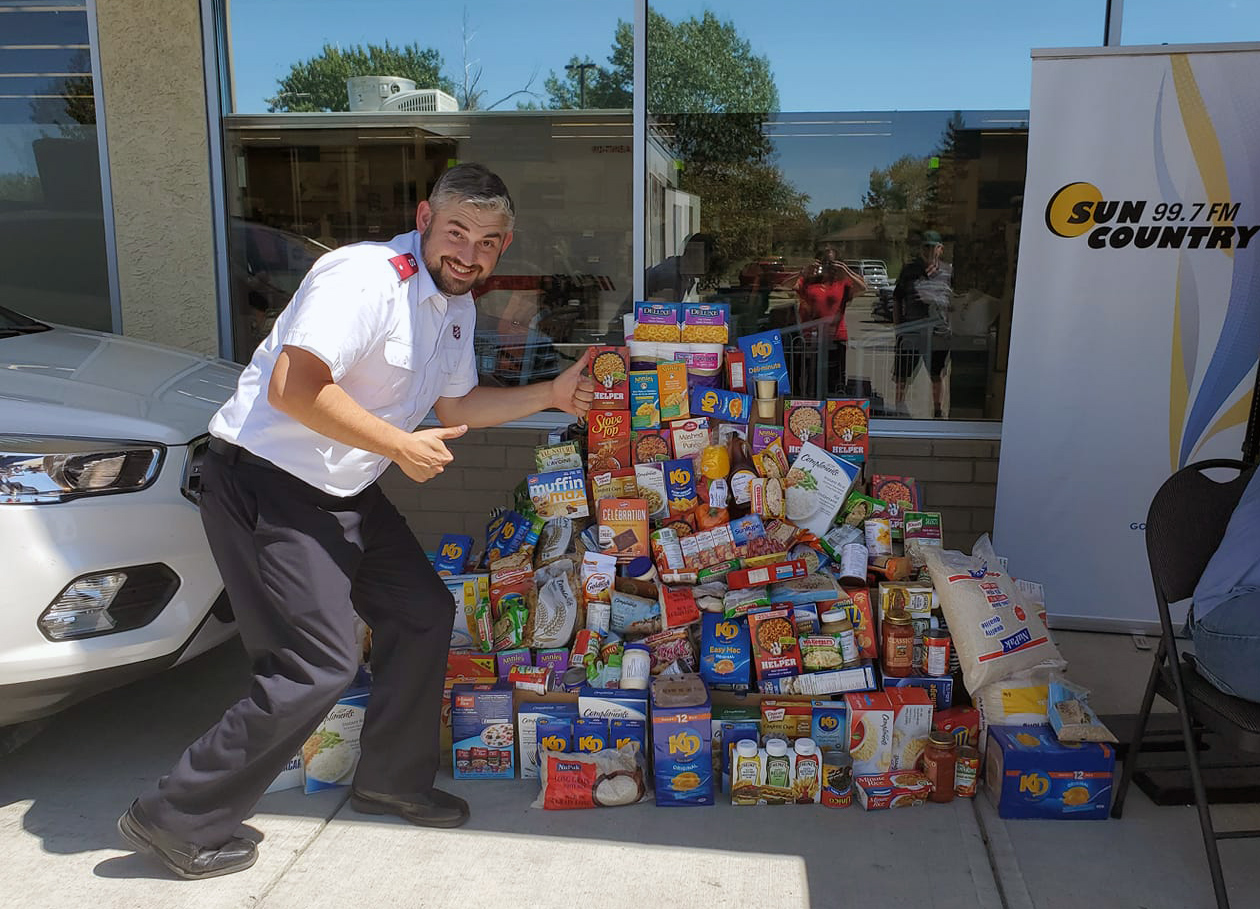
1136, 323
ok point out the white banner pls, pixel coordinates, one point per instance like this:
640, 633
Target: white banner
1136, 321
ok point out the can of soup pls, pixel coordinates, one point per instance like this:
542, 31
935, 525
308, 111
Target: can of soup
966, 769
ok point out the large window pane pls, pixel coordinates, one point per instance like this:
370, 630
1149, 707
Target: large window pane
779, 145
52, 229
314, 163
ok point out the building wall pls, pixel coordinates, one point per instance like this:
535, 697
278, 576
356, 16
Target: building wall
959, 478
155, 121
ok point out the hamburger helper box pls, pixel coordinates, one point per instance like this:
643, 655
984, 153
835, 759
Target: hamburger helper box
610, 369
1029, 773
482, 734
682, 728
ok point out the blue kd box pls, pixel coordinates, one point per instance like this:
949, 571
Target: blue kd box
939, 688
682, 729
1030, 773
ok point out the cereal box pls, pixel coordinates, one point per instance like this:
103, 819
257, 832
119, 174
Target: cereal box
690, 436
527, 719
649, 445
847, 428
623, 528
482, 734
870, 731
705, 323
454, 551
724, 406
645, 400
725, 652
607, 439
680, 486
610, 369
1029, 773
912, 724
682, 728
672, 382
657, 321
816, 488
559, 494
766, 360
894, 789
802, 422
774, 646
901, 494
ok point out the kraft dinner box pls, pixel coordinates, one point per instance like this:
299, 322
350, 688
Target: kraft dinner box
1030, 773
682, 730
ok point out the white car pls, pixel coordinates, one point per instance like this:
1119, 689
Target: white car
108, 574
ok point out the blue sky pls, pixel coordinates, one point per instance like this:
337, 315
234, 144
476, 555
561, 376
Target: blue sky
825, 54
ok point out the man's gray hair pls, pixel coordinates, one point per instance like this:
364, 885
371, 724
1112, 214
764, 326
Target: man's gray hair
476, 185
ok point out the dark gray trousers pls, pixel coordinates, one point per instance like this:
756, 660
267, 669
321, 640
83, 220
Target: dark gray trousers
295, 561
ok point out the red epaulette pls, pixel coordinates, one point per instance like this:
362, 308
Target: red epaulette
405, 265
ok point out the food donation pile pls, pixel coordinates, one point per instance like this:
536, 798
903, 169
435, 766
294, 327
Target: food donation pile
701, 591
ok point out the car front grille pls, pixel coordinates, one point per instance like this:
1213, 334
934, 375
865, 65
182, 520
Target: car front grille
191, 485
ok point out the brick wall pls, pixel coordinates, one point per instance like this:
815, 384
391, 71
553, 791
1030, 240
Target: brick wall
958, 476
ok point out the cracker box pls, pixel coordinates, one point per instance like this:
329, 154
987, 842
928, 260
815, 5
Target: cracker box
774, 646
861, 614
847, 428
802, 422
816, 487
482, 733
645, 400
1029, 773
647, 446
623, 528
331, 753
895, 789
939, 689
723, 406
610, 369
912, 724
607, 439
901, 494
681, 741
527, 718
671, 380
559, 494
963, 723
613, 703
828, 726
454, 553
870, 715
765, 358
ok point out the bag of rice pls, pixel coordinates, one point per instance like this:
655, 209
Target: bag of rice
605, 779
995, 633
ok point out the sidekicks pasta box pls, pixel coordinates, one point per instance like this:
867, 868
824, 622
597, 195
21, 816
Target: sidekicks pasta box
682, 730
1029, 773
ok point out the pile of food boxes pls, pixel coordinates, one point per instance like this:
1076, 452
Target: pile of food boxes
702, 576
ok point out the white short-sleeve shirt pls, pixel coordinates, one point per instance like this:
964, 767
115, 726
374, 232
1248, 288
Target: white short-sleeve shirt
392, 341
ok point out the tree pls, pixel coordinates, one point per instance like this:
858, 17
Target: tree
902, 186
469, 95
319, 84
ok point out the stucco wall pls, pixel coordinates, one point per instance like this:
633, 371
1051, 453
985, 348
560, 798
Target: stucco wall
155, 120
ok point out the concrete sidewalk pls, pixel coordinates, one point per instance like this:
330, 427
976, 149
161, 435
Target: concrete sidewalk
61, 794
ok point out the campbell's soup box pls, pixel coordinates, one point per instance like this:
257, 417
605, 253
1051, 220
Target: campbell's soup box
870, 715
1028, 772
682, 730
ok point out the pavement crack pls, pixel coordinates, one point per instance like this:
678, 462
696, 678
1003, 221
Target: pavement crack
300, 851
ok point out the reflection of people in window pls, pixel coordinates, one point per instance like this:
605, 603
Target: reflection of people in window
823, 293
677, 278
921, 306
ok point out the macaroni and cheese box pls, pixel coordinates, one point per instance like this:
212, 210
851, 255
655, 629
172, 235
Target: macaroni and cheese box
828, 725
623, 731
610, 369
527, 719
559, 494
705, 323
680, 486
723, 406
870, 715
766, 359
657, 321
454, 551
682, 729
1029, 773
672, 383
590, 734
482, 733
725, 652
607, 439
847, 427
623, 528
645, 400
763, 435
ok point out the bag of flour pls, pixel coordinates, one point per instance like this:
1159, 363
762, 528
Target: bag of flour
996, 634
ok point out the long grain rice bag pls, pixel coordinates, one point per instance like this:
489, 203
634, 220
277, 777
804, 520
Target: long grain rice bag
994, 632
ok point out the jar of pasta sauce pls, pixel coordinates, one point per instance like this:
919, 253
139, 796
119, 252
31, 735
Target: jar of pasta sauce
966, 771
897, 639
939, 760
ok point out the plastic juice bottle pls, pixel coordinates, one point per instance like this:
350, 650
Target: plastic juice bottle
778, 764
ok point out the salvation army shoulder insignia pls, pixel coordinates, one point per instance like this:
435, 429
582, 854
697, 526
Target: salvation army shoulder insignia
405, 265
455, 331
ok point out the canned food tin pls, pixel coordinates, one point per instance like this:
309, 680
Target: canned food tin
531, 678
837, 780
574, 678
937, 646
966, 770
585, 648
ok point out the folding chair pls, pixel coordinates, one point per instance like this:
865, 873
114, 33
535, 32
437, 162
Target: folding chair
1184, 526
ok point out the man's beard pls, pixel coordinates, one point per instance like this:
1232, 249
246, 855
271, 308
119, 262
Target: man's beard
446, 282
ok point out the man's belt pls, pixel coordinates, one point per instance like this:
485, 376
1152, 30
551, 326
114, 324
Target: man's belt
234, 454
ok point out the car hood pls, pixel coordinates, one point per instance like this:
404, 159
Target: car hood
76, 382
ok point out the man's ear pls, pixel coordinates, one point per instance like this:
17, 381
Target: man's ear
507, 241
424, 216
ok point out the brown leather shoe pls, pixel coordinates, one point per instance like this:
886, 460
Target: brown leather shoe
187, 860
432, 809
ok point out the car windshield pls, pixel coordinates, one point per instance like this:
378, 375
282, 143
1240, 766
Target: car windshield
12, 323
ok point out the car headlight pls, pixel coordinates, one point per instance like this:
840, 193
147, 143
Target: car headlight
38, 470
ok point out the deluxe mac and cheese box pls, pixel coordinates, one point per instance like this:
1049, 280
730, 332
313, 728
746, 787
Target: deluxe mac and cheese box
1029, 773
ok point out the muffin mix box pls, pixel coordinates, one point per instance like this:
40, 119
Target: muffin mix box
610, 370
559, 494
846, 428
802, 422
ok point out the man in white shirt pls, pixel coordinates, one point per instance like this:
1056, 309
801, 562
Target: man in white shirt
377, 335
